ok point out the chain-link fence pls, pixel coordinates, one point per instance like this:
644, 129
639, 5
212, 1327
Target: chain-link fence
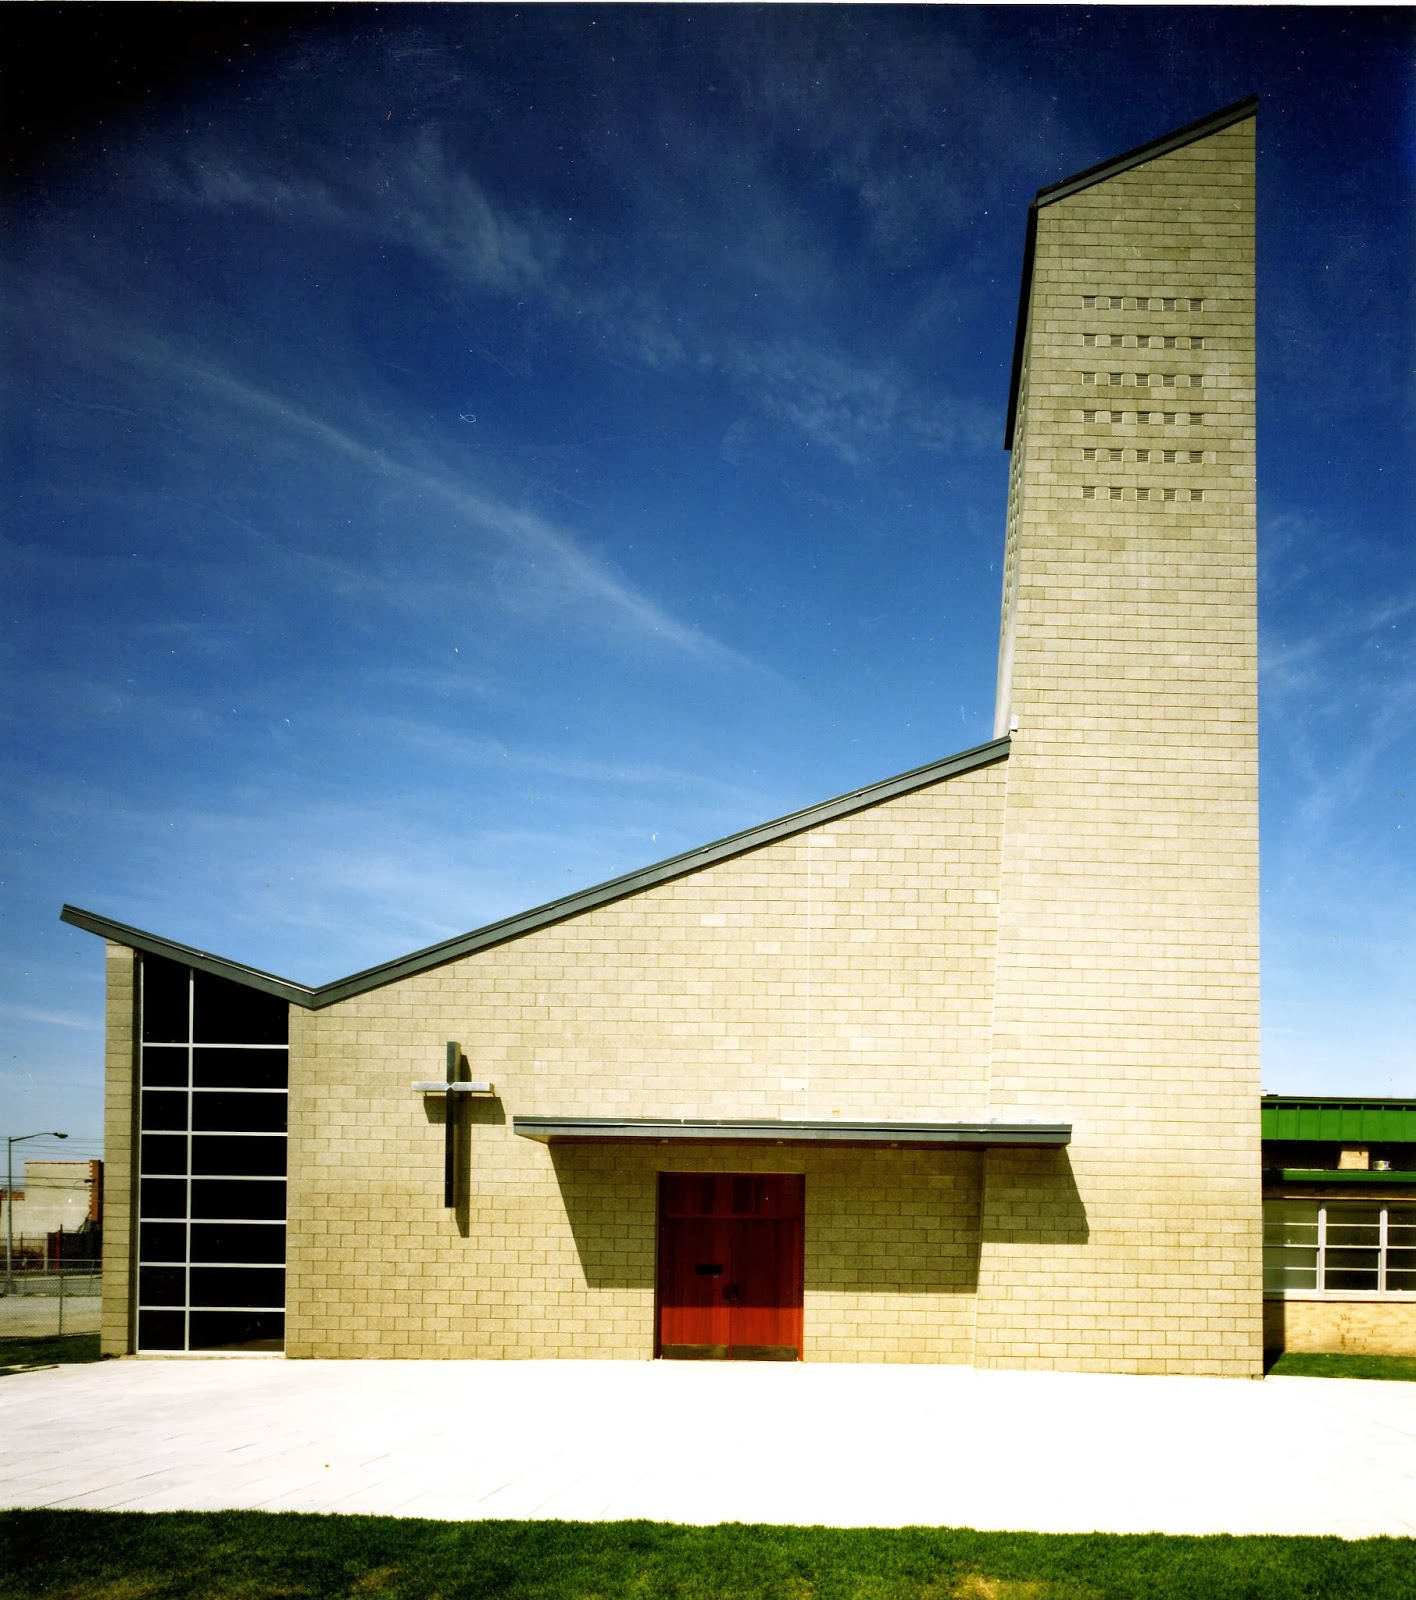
40, 1302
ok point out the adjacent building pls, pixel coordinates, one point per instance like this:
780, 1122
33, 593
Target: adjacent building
959, 1067
55, 1213
1339, 1224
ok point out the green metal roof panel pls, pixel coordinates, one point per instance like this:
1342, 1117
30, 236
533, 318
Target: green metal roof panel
1338, 1119
1313, 1175
313, 999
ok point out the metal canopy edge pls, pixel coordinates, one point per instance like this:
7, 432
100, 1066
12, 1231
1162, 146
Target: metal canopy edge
753, 1130
1342, 1175
680, 866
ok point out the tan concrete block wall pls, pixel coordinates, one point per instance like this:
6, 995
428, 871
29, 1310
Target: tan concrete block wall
120, 1112
1127, 993
1345, 1327
843, 972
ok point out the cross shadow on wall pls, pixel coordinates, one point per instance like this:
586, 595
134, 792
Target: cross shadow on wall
878, 1221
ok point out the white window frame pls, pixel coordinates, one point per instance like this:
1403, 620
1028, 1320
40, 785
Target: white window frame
1321, 1291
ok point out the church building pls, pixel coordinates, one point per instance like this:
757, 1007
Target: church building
960, 1067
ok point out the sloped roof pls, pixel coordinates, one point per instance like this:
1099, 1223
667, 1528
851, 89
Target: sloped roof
436, 955
1052, 192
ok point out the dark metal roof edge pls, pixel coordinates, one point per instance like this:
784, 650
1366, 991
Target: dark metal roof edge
1176, 139
1225, 117
155, 945
508, 928
1277, 1102
663, 871
1020, 335
963, 1131
1037, 1124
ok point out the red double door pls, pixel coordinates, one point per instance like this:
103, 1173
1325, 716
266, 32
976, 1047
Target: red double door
730, 1266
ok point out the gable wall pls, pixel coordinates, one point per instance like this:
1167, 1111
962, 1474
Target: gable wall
847, 970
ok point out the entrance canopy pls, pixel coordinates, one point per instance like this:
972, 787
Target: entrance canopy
974, 1133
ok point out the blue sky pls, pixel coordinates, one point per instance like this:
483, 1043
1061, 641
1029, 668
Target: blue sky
453, 456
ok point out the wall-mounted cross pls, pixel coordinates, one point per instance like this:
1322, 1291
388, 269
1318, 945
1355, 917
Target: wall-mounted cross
452, 1089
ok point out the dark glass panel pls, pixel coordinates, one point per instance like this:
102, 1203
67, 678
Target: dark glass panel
238, 1286
1401, 1260
165, 1109
229, 1013
255, 1201
1366, 1233
1366, 1260
166, 1154
163, 1197
242, 1156
240, 1069
160, 1330
165, 1014
256, 1242
1343, 1277
215, 1112
238, 1330
165, 1066
161, 1286
162, 1241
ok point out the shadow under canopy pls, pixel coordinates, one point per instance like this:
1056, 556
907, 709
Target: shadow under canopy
878, 1221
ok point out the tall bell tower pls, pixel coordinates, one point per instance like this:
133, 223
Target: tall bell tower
1126, 985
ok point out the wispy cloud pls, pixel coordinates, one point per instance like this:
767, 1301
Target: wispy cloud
1338, 706
462, 750
420, 196
565, 572
49, 1019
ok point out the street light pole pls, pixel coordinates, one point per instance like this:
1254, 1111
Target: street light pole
10, 1142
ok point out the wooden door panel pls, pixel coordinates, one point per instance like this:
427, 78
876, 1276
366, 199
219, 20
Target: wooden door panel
730, 1266
767, 1307
694, 1265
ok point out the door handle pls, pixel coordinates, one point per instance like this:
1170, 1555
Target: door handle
731, 1291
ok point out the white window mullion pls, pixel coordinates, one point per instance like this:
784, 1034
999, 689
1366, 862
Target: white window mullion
1322, 1248
1382, 1252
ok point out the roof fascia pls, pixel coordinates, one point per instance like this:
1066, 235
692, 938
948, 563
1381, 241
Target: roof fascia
1201, 128
509, 928
665, 871
1360, 1101
155, 945
973, 1132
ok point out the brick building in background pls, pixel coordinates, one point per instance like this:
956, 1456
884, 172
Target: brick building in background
961, 1067
58, 1211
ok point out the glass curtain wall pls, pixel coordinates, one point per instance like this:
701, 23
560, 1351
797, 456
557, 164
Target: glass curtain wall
211, 1163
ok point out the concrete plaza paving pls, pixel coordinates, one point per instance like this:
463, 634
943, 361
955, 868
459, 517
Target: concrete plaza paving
845, 1446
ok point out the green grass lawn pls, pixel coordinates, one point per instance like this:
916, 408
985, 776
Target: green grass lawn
251, 1555
1292, 1364
47, 1352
